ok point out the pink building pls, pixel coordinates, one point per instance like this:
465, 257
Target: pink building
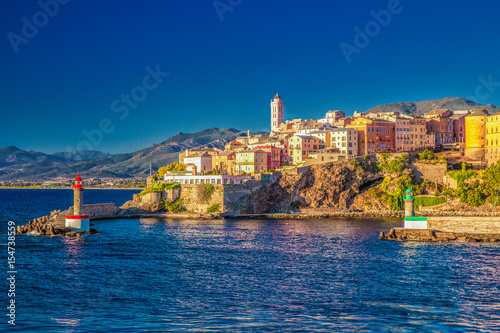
274, 157
459, 128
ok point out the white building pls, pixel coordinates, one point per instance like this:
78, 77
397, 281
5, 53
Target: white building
346, 140
308, 131
202, 179
202, 162
332, 116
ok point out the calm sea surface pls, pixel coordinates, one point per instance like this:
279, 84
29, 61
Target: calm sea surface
155, 275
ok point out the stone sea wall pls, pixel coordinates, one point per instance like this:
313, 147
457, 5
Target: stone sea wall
429, 235
195, 201
465, 224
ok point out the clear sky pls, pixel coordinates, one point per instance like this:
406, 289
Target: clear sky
80, 68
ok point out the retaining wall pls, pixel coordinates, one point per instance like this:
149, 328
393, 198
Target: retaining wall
476, 225
432, 172
97, 210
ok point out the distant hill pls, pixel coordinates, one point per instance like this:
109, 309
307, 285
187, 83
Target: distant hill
420, 108
17, 164
11, 155
80, 155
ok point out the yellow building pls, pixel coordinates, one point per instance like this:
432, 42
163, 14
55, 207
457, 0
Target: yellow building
492, 144
223, 163
250, 162
325, 136
475, 134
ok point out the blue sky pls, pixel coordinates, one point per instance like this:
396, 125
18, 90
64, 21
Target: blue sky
225, 64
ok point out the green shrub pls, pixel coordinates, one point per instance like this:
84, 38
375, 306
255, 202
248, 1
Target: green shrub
175, 207
491, 199
426, 155
204, 192
213, 209
471, 194
155, 187
428, 201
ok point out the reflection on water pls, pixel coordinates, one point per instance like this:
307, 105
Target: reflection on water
262, 275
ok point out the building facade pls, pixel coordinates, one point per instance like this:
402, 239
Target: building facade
492, 146
345, 140
300, 146
418, 132
273, 156
475, 134
251, 162
198, 163
224, 163
442, 127
374, 136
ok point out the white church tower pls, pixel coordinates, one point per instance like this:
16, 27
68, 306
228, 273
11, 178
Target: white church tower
276, 112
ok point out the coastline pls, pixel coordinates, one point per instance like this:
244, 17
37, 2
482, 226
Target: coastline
69, 188
291, 216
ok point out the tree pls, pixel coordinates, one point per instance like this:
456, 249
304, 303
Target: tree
171, 167
426, 155
492, 177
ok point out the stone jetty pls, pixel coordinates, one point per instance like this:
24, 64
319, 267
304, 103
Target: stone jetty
49, 225
427, 235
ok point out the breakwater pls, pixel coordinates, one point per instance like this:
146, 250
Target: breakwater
429, 235
47, 226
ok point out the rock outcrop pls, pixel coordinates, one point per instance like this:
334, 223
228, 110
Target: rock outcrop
49, 225
329, 186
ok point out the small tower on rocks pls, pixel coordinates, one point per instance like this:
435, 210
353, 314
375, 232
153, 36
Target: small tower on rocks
409, 203
78, 221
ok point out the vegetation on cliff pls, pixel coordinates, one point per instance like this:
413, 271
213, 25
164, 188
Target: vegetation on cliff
158, 187
176, 166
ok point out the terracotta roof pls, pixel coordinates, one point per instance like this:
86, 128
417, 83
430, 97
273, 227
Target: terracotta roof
235, 143
198, 155
277, 96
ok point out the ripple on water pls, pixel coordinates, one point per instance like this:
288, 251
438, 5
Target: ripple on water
266, 275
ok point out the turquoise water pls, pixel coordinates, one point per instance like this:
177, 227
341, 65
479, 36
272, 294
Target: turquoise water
254, 275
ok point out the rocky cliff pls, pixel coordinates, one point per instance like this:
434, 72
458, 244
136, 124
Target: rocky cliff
330, 186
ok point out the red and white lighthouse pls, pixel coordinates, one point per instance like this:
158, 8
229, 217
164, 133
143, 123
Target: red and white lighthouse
78, 222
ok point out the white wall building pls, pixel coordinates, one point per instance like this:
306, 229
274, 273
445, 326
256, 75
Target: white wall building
203, 162
346, 140
202, 179
332, 116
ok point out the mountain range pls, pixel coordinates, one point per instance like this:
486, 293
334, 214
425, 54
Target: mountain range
420, 108
26, 165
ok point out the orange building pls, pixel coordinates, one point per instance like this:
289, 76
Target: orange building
442, 127
418, 130
374, 136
